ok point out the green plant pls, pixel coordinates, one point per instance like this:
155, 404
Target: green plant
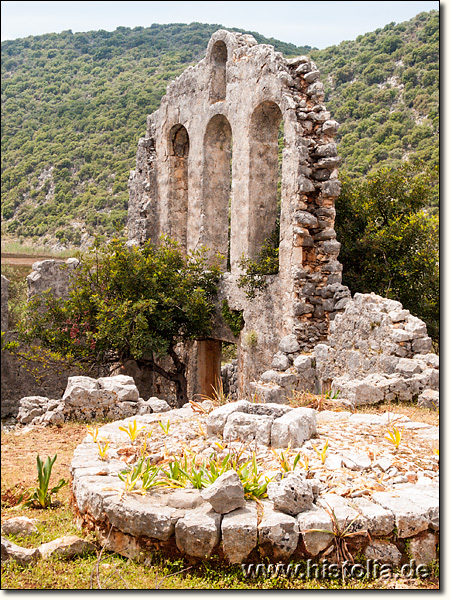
41, 496
251, 339
165, 427
103, 446
394, 436
322, 454
132, 430
233, 318
254, 483
284, 460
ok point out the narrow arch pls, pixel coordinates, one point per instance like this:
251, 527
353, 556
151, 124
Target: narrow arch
264, 176
179, 178
218, 89
216, 185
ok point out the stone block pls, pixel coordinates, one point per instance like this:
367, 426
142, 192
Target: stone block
315, 541
67, 546
278, 534
217, 418
292, 495
198, 532
289, 344
123, 385
295, 427
269, 392
422, 548
280, 362
384, 552
377, 520
157, 405
410, 517
226, 493
23, 556
429, 399
239, 533
269, 376
19, 526
240, 426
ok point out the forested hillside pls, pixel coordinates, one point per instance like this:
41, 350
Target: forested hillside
74, 106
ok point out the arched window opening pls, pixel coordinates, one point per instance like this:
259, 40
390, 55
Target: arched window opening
217, 187
266, 148
178, 192
218, 88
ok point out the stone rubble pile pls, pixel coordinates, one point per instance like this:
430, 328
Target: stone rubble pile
357, 482
376, 352
87, 399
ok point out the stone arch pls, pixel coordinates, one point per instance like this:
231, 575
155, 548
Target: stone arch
179, 182
216, 185
218, 85
263, 174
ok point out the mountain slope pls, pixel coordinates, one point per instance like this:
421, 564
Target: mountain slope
74, 106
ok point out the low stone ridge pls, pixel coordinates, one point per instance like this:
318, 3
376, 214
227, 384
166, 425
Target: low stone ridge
376, 352
66, 547
268, 424
199, 522
86, 399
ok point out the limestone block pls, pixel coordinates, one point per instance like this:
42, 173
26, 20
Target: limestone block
432, 360
67, 546
377, 520
123, 385
358, 391
303, 362
384, 552
217, 418
240, 426
422, 345
315, 541
19, 526
400, 335
140, 515
330, 127
294, 427
357, 461
185, 499
23, 556
429, 399
422, 548
79, 384
289, 344
280, 362
311, 76
292, 495
287, 379
343, 511
31, 407
226, 493
239, 533
90, 492
410, 517
408, 367
158, 405
269, 376
198, 532
397, 316
269, 392
278, 534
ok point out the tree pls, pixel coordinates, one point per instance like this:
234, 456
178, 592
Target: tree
129, 303
390, 241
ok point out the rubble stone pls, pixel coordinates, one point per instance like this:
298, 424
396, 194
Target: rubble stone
226, 493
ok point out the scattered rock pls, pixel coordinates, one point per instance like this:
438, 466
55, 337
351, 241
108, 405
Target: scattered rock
23, 556
292, 495
67, 546
19, 526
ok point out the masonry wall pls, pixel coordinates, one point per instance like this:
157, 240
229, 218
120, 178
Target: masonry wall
210, 154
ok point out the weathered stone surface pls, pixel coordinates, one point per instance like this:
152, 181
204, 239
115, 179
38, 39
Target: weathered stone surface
294, 427
377, 520
278, 534
429, 399
239, 533
289, 344
384, 552
30, 408
292, 495
270, 375
410, 517
23, 556
422, 548
123, 385
356, 461
268, 393
19, 526
217, 419
280, 362
241, 426
157, 405
303, 362
139, 515
185, 499
343, 511
198, 532
226, 493
315, 541
67, 546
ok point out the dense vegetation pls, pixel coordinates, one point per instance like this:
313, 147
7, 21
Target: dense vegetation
73, 109
383, 88
74, 106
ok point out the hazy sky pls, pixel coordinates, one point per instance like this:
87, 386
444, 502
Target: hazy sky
319, 24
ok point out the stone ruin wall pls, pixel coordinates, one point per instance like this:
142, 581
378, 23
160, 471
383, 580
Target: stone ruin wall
228, 108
